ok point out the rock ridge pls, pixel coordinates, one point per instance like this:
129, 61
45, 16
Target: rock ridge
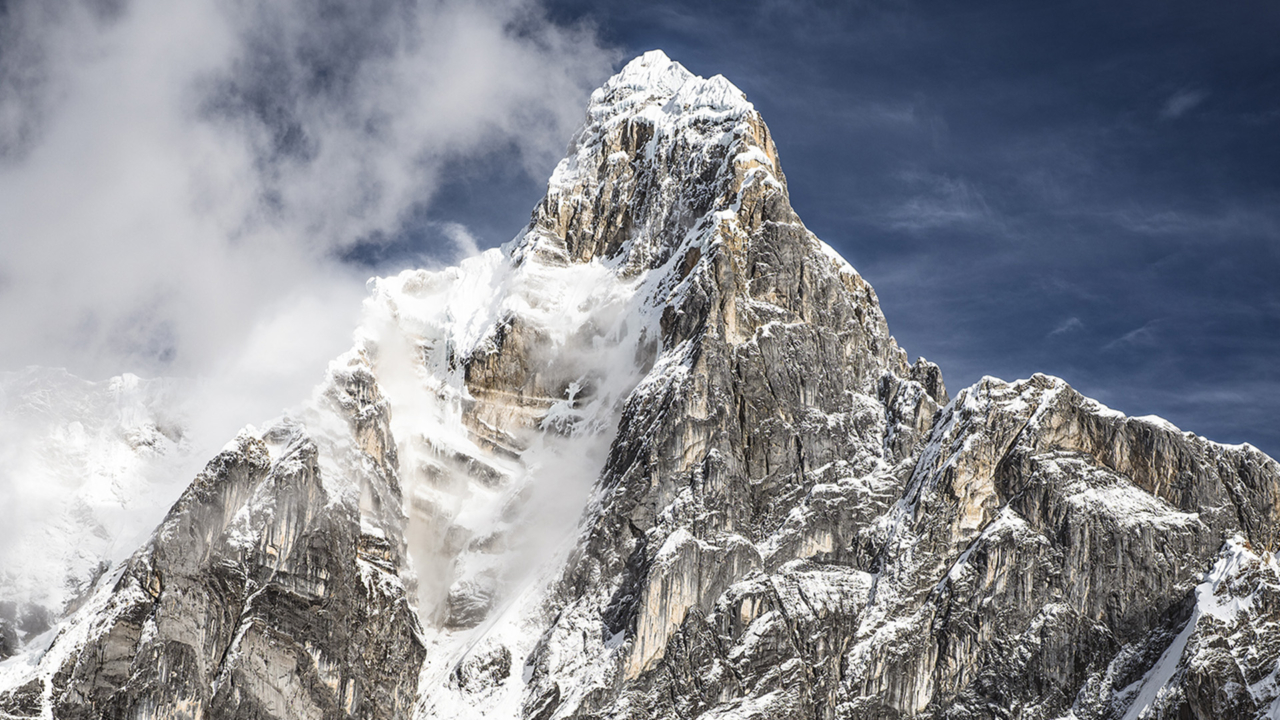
659, 457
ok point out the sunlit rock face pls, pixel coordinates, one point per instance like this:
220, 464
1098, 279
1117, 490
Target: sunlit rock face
659, 457
275, 587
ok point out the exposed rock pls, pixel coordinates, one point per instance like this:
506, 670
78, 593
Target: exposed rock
484, 669
778, 515
270, 590
19, 623
1019, 553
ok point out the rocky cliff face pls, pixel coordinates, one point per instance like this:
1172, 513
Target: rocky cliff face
273, 588
660, 457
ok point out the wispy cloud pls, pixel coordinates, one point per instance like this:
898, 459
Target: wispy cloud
1182, 102
941, 202
1234, 222
1071, 324
1144, 336
870, 114
464, 243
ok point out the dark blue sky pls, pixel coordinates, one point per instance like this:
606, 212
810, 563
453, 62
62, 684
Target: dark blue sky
1090, 190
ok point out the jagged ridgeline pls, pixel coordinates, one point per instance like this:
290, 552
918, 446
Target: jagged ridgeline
659, 457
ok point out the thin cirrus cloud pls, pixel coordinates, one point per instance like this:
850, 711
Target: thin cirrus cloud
1243, 222
1070, 325
940, 202
1144, 336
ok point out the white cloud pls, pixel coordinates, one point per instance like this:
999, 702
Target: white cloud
1144, 336
178, 181
1234, 221
173, 171
464, 242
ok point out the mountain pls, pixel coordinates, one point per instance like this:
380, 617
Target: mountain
659, 457
86, 469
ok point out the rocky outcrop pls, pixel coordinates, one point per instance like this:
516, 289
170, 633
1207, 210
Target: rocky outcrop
774, 360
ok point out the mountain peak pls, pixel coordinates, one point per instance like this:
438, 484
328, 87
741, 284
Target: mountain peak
651, 72
663, 459
662, 153
661, 86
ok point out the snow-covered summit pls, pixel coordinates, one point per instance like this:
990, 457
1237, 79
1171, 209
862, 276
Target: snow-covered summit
653, 79
652, 74
663, 154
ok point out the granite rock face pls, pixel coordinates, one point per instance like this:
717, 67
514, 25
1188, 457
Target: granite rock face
659, 457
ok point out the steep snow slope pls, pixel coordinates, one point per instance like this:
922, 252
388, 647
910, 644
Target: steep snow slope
505, 380
660, 457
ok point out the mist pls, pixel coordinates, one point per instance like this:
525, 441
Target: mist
184, 187
172, 174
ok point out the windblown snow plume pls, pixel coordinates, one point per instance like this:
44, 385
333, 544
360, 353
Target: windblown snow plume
87, 470
172, 175
179, 184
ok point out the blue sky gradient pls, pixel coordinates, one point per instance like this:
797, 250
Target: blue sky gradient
1085, 189
1088, 189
